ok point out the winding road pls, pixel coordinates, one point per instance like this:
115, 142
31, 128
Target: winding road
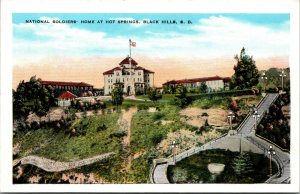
247, 133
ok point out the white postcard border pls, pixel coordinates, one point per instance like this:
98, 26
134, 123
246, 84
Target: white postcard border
144, 6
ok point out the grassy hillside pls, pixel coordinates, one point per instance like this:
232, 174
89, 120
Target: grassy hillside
60, 145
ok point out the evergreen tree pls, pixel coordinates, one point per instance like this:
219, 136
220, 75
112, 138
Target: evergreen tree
242, 164
181, 98
246, 74
117, 95
203, 87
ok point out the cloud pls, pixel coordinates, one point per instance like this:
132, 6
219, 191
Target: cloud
211, 37
220, 36
52, 39
227, 33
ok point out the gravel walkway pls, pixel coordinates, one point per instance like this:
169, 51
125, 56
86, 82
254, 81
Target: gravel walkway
56, 166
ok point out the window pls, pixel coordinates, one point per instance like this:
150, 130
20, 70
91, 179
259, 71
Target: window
139, 73
118, 74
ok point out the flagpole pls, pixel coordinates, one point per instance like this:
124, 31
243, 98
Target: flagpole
130, 48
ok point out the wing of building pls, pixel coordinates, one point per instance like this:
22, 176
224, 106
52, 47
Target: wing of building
77, 88
215, 83
132, 78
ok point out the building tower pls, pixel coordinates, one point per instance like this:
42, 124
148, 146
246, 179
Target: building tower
132, 78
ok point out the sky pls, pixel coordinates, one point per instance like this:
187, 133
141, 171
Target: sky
198, 45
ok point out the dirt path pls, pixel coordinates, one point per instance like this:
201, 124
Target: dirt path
125, 125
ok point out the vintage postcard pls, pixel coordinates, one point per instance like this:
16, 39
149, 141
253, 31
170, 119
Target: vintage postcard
151, 100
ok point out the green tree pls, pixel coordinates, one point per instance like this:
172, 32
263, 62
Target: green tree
169, 88
242, 164
274, 79
246, 74
181, 99
203, 87
117, 95
153, 94
32, 97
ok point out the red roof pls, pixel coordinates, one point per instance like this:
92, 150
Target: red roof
112, 71
126, 61
142, 68
67, 95
204, 79
119, 68
52, 83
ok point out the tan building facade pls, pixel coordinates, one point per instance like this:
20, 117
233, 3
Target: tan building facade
215, 83
132, 78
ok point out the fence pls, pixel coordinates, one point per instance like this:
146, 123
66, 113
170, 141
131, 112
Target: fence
249, 114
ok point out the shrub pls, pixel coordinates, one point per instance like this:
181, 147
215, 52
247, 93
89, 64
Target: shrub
101, 127
204, 114
156, 138
118, 134
127, 106
234, 105
142, 107
157, 116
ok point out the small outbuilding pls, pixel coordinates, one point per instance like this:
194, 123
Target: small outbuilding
64, 99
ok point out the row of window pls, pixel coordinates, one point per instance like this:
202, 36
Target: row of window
72, 87
127, 73
118, 80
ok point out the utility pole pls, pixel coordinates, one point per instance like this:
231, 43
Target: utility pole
230, 117
255, 116
282, 75
271, 152
264, 78
173, 146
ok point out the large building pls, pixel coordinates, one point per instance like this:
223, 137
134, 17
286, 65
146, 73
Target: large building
215, 83
77, 88
132, 78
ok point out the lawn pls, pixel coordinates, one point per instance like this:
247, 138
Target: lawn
168, 97
133, 103
194, 169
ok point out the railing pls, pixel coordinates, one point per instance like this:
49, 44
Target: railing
153, 167
262, 100
249, 114
191, 151
275, 158
282, 149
